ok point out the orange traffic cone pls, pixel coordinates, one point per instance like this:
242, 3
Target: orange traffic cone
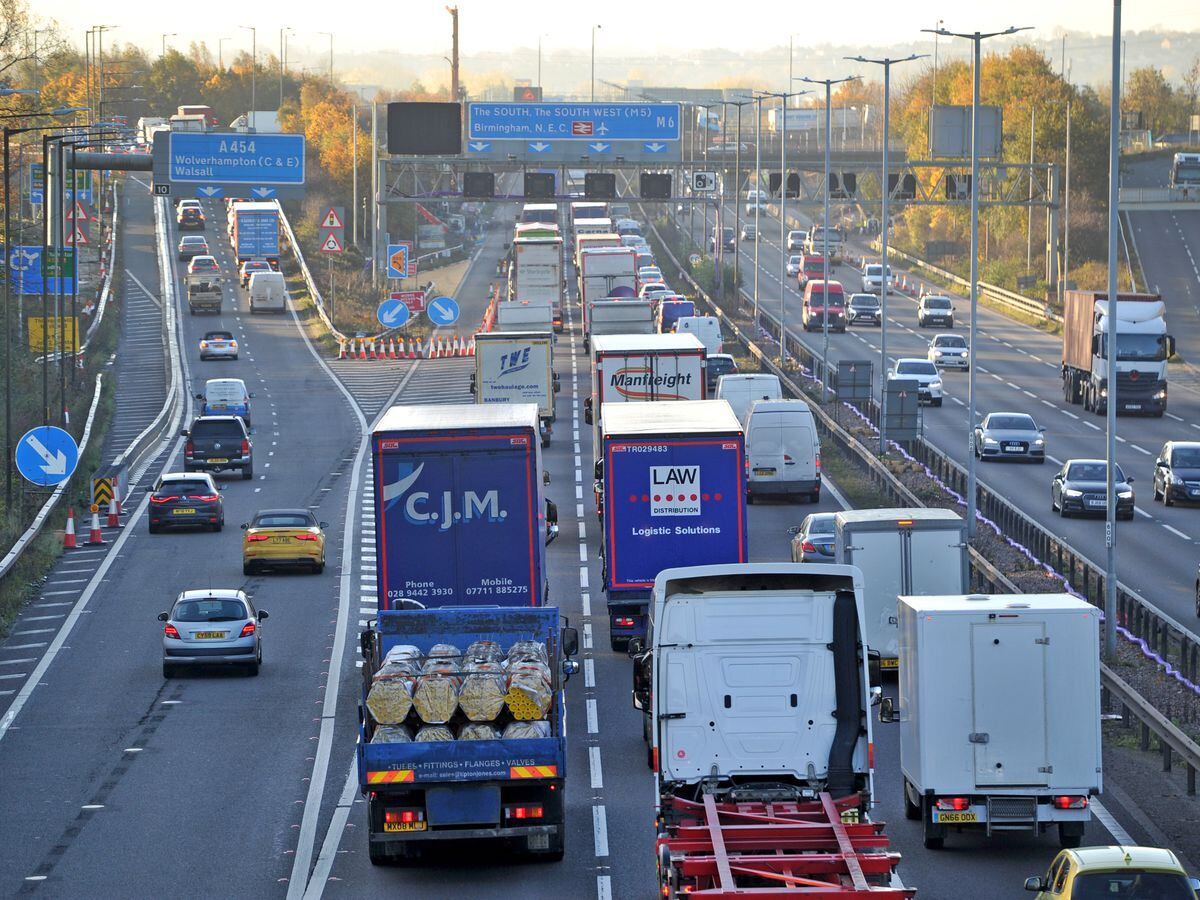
69, 535
412, 349
471, 348
114, 518
373, 348
94, 535
362, 348
117, 493
341, 350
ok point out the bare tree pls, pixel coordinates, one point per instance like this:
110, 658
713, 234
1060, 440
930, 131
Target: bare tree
17, 39
1191, 84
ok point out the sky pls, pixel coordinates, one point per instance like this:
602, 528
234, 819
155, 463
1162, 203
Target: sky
662, 26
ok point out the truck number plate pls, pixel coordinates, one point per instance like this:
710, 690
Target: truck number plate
889, 662
404, 826
955, 818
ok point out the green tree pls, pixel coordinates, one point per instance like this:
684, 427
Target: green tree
1149, 93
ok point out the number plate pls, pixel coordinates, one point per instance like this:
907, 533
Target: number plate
184, 512
211, 635
280, 540
1133, 406
764, 471
218, 459
1012, 448
1096, 503
889, 662
395, 827
955, 818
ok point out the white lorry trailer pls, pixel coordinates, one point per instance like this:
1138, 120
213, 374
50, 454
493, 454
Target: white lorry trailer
525, 315
517, 367
620, 317
999, 712
537, 273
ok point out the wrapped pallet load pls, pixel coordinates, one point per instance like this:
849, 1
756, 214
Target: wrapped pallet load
528, 696
429, 733
483, 687
390, 697
517, 730
479, 731
435, 695
392, 734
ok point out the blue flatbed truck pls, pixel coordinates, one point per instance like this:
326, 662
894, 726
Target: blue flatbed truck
459, 512
512, 790
671, 488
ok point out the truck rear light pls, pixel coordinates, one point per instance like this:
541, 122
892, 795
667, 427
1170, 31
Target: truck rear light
1070, 802
958, 804
818, 459
248, 629
403, 816
532, 811
624, 621
171, 631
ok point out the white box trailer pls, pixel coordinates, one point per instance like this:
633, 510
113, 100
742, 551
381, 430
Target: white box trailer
537, 273
517, 367
620, 317
999, 712
901, 551
524, 315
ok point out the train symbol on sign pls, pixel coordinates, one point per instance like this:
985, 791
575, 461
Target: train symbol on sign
704, 182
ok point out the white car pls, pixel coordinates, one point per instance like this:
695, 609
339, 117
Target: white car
749, 232
872, 280
795, 240
650, 275
793, 265
756, 200
950, 351
655, 291
935, 309
925, 373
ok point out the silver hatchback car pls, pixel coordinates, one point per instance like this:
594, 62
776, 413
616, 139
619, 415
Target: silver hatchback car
212, 627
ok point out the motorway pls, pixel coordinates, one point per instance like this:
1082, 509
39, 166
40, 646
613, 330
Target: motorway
231, 786
1018, 370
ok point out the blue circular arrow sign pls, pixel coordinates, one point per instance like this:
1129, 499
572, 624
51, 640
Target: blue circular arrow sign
47, 456
442, 311
392, 313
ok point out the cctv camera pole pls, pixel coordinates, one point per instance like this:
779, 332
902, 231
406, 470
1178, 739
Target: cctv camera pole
757, 196
887, 64
1110, 406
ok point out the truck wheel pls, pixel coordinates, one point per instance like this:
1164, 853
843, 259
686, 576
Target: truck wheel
379, 854
247, 473
619, 644
1069, 837
912, 811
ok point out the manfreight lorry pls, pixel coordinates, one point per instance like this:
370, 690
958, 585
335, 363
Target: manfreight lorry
604, 273
756, 690
499, 780
1143, 347
517, 367
671, 488
620, 317
537, 273
256, 231
525, 315
999, 712
460, 519
900, 551
634, 368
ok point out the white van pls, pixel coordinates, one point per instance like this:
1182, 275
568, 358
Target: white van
742, 390
225, 397
706, 328
783, 453
268, 292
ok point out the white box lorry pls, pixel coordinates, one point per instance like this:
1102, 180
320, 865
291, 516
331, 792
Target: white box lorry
524, 315
517, 367
901, 551
537, 273
999, 712
620, 317
605, 272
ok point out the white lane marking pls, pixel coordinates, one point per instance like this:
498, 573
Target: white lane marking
1067, 412
1048, 403
1140, 449
589, 672
596, 768
600, 829
593, 719
583, 552
1175, 531
583, 577
337, 827
1092, 425
1114, 828
1141, 512
1173, 416
1030, 394
956, 400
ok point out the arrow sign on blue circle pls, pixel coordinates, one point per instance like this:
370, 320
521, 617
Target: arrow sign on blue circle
392, 313
47, 456
442, 311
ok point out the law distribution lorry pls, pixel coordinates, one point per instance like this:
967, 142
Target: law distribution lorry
1143, 347
999, 712
537, 273
756, 690
517, 367
636, 368
900, 551
460, 519
509, 789
672, 492
256, 230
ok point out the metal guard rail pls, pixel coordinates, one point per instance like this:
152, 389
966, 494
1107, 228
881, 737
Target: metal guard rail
1157, 629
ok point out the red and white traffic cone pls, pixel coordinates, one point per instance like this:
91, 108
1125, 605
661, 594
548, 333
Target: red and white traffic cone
69, 535
114, 517
412, 349
372, 350
471, 348
392, 348
95, 536
341, 350
462, 346
117, 493
362, 348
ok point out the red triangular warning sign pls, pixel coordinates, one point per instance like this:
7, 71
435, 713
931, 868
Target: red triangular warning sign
78, 237
79, 212
332, 219
332, 244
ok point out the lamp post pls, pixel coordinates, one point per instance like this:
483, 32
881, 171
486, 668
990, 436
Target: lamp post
737, 206
933, 90
164, 42
221, 53
595, 28
1110, 407
829, 83
253, 69
976, 39
887, 64
283, 32
329, 34
539, 67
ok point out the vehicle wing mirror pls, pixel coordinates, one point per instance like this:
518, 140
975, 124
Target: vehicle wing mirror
599, 472
545, 477
244, 526
587, 411
162, 617
570, 641
1033, 883
1170, 345
1096, 344
636, 646
569, 668
793, 529
199, 396
263, 615
251, 395
887, 711
1129, 480
874, 669
183, 432
323, 525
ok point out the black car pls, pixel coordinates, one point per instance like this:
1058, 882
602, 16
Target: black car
1177, 472
1079, 487
715, 366
863, 309
728, 240
180, 499
217, 443
190, 217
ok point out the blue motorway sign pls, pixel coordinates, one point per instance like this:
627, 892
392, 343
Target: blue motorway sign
25, 273
250, 159
36, 189
47, 455
539, 122
393, 313
442, 311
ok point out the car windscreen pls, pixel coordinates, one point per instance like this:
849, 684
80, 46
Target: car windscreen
718, 366
225, 428
210, 610
1011, 423
219, 336
950, 340
864, 300
916, 368
283, 520
937, 303
1092, 472
225, 392
1131, 884
821, 525
1186, 458
194, 240
184, 488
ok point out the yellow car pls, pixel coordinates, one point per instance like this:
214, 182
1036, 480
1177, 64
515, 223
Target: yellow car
1132, 873
283, 537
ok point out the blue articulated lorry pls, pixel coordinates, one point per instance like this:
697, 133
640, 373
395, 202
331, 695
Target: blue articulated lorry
672, 490
478, 782
459, 511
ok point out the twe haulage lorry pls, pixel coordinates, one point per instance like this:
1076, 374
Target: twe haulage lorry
517, 367
255, 231
999, 712
1143, 348
755, 687
671, 488
900, 551
464, 779
460, 519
